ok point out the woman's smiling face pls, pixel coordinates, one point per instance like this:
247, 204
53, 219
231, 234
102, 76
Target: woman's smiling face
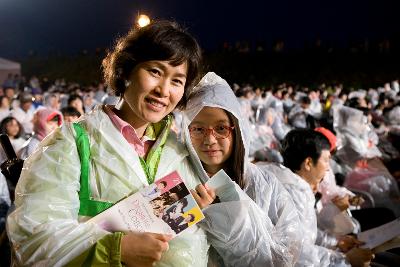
155, 88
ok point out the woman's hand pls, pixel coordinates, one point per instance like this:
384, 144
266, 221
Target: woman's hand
204, 195
356, 201
341, 202
347, 242
360, 257
143, 249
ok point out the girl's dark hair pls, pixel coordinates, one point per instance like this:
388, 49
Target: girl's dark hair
235, 169
160, 40
3, 126
300, 144
70, 111
74, 97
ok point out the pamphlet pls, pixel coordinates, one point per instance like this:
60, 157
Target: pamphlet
165, 207
380, 235
225, 188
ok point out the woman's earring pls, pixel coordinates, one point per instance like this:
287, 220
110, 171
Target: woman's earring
127, 83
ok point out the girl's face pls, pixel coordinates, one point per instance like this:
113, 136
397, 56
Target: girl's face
155, 89
213, 152
12, 128
5, 102
77, 103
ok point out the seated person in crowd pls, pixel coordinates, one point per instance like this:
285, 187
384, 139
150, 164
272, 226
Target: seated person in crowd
306, 155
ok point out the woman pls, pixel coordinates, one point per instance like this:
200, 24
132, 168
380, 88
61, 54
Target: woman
152, 69
260, 228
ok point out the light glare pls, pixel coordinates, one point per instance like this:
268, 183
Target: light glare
143, 20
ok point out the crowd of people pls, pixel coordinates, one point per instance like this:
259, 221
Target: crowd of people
312, 167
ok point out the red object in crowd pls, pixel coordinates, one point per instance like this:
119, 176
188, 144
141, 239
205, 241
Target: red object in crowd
329, 135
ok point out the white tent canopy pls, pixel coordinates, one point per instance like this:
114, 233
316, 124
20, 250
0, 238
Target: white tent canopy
7, 67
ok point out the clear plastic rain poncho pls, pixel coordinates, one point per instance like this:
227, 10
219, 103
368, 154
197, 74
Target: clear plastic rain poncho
264, 146
330, 217
45, 228
303, 197
298, 116
356, 136
272, 114
260, 228
262, 138
379, 183
358, 141
394, 116
329, 189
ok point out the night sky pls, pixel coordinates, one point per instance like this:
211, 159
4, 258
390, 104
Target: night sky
69, 26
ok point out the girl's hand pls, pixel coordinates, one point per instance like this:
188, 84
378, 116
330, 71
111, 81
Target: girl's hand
204, 195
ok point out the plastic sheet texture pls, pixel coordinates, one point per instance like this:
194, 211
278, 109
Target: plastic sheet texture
355, 135
379, 183
330, 218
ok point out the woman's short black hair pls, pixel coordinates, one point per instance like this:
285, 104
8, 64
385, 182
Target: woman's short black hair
300, 144
160, 40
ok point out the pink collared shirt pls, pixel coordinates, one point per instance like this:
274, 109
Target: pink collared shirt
128, 132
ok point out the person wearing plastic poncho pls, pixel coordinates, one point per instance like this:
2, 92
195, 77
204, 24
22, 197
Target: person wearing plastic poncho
354, 133
358, 144
298, 149
259, 225
48, 225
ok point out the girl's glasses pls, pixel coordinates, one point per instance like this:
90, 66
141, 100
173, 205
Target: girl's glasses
219, 132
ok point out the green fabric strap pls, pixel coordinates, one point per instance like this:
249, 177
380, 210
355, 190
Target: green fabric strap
160, 131
88, 206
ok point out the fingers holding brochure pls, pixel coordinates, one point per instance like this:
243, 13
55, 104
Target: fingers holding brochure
143, 249
204, 195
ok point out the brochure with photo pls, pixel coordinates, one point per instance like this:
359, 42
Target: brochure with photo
165, 207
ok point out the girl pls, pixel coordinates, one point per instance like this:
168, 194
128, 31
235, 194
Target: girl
4, 107
15, 132
13, 129
260, 228
130, 145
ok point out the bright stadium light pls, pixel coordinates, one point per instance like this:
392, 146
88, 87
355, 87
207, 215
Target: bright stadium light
143, 20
